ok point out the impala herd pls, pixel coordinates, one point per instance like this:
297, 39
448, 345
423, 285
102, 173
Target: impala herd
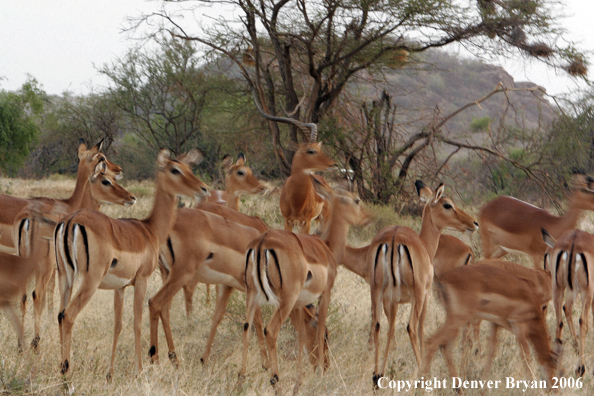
213, 243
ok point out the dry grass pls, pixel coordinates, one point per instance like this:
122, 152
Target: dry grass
349, 318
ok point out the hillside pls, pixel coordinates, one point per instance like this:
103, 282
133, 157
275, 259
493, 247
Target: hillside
450, 82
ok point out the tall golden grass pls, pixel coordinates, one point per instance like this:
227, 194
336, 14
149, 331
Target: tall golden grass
348, 323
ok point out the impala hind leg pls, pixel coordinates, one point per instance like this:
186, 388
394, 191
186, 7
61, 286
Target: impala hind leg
391, 311
250, 311
271, 332
223, 295
157, 304
586, 306
568, 310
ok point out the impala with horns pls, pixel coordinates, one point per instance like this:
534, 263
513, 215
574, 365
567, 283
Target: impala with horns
570, 260
112, 254
102, 188
239, 179
290, 271
299, 202
401, 271
510, 225
508, 297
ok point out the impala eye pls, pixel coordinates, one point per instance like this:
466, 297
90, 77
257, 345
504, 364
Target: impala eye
106, 183
310, 151
240, 173
175, 171
447, 206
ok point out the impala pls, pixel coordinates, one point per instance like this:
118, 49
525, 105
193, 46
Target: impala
15, 271
510, 225
299, 202
571, 259
290, 271
111, 253
230, 214
88, 159
202, 247
239, 179
91, 163
207, 244
505, 297
102, 188
400, 268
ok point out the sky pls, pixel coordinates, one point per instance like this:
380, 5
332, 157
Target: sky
63, 43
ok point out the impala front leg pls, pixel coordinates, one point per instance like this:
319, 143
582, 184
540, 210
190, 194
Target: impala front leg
118, 310
139, 292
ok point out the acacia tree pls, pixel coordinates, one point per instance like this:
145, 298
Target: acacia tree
292, 49
164, 93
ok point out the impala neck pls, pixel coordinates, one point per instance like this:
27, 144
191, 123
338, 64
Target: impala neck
354, 259
569, 220
164, 212
88, 202
336, 235
232, 200
429, 232
78, 197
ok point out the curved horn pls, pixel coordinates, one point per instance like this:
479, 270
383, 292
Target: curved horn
301, 125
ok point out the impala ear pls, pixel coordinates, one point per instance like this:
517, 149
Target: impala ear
227, 162
100, 168
240, 159
163, 158
82, 148
547, 238
424, 192
192, 157
96, 148
438, 193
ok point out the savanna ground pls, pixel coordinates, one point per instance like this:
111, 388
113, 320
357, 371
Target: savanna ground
348, 322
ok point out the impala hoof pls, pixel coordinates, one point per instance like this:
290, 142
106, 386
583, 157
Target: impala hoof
64, 367
376, 378
108, 377
173, 359
35, 343
274, 380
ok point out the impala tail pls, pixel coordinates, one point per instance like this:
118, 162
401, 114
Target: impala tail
262, 259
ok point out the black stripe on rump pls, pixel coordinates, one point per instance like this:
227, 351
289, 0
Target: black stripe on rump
83, 231
66, 250
277, 266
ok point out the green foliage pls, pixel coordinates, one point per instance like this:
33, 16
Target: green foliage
571, 142
480, 124
19, 126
